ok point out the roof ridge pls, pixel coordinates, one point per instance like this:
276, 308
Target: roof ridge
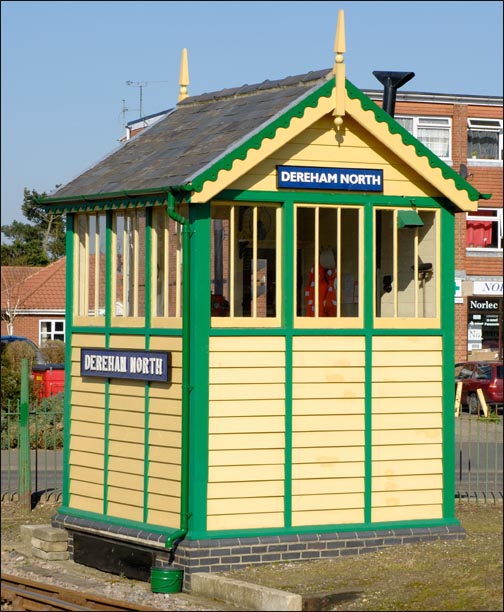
248, 90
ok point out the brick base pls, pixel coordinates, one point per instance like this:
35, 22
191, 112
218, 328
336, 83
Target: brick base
227, 554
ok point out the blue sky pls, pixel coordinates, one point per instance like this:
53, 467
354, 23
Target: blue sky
64, 65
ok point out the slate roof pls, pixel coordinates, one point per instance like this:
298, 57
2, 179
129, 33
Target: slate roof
199, 131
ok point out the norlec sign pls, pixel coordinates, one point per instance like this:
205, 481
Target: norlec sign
348, 179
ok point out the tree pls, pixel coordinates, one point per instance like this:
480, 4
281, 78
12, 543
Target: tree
12, 301
37, 243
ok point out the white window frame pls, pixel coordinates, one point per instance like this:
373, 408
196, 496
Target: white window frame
485, 125
53, 332
494, 218
423, 122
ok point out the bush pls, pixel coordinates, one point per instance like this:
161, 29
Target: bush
53, 351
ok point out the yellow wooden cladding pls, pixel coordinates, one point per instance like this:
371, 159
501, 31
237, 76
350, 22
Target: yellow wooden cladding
315, 147
246, 379
329, 517
251, 521
125, 511
407, 436
328, 429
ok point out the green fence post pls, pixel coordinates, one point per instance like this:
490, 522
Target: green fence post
24, 468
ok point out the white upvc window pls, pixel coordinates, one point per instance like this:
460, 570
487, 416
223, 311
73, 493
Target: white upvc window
484, 139
433, 132
51, 329
484, 229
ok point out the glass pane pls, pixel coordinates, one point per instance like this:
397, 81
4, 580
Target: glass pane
385, 236
427, 272
438, 140
220, 262
349, 262
328, 297
483, 144
405, 272
140, 263
265, 264
305, 257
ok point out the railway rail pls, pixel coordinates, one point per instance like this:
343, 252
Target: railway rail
24, 594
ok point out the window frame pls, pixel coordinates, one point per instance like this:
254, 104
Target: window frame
417, 321
497, 218
429, 121
53, 332
338, 321
493, 126
252, 321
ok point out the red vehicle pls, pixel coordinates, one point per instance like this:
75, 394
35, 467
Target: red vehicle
484, 375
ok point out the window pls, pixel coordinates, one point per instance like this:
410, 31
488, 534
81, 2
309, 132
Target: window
484, 139
51, 330
166, 265
406, 263
89, 287
245, 263
433, 132
327, 262
127, 260
128, 280
484, 229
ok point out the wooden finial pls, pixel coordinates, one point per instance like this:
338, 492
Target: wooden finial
339, 71
184, 76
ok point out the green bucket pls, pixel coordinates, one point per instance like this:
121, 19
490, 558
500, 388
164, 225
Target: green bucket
166, 580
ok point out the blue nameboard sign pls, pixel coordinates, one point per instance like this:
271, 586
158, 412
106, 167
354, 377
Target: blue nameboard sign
348, 179
154, 366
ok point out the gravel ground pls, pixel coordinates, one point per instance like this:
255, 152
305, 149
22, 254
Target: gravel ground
456, 575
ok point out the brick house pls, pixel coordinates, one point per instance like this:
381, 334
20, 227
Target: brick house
33, 301
466, 132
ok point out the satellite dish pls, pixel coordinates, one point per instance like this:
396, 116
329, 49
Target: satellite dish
463, 171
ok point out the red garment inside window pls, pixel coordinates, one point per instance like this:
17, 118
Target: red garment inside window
327, 293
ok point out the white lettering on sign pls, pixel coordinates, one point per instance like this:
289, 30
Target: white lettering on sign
146, 365
105, 363
484, 305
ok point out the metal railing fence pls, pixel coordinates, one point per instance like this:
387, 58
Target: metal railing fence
32, 451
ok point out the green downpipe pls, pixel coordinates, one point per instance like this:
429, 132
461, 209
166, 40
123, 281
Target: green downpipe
175, 538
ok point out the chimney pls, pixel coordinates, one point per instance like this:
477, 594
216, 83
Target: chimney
391, 82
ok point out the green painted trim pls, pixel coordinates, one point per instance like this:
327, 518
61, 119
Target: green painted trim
69, 300
128, 331
113, 199
108, 317
287, 316
269, 132
329, 197
148, 269
311, 101
447, 305
367, 250
147, 314
315, 529
113, 520
408, 139
108, 270
199, 295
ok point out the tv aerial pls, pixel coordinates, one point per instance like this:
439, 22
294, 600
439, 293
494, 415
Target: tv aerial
141, 85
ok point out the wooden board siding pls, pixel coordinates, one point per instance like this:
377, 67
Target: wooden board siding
246, 433
165, 440
315, 147
328, 430
109, 472
87, 432
407, 444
